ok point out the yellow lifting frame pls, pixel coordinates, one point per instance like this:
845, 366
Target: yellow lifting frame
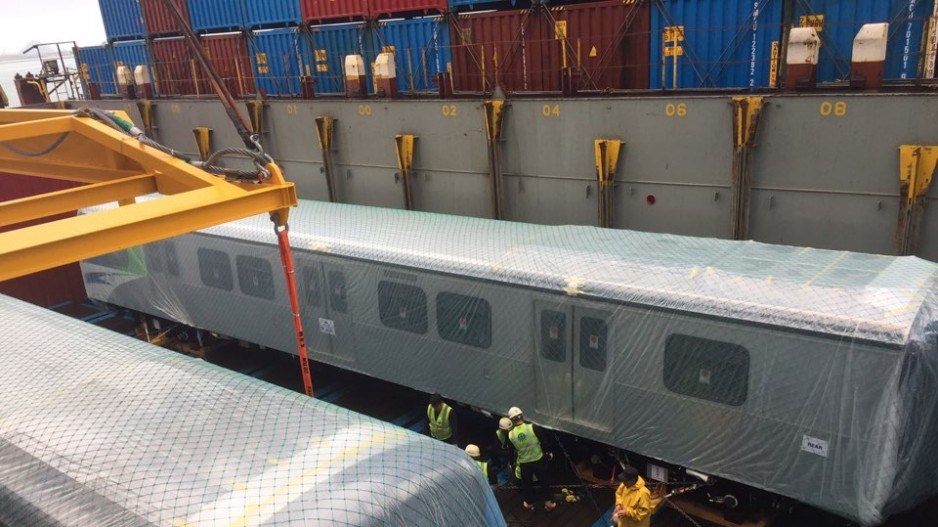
115, 168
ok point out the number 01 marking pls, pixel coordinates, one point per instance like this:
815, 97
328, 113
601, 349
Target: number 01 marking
837, 109
291, 109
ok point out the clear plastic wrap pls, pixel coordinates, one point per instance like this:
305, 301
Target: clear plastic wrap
99, 429
808, 373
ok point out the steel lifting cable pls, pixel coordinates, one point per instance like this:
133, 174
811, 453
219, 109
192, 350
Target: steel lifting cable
255, 151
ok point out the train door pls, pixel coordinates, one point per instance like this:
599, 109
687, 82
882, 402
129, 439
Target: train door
337, 322
572, 363
314, 307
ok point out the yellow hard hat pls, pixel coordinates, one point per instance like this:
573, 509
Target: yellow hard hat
472, 450
505, 424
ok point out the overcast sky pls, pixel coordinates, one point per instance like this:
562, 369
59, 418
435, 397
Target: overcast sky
24, 21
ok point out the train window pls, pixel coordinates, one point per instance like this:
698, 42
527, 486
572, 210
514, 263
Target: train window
312, 289
593, 332
255, 277
464, 319
161, 258
215, 269
338, 296
402, 306
115, 260
554, 335
706, 369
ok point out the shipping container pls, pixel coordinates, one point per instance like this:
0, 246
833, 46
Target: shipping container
603, 44
421, 48
279, 58
272, 13
838, 21
480, 4
716, 44
132, 54
329, 46
380, 8
173, 69
122, 19
209, 16
97, 67
229, 56
321, 10
45, 288
158, 20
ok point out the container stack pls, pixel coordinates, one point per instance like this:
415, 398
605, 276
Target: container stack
477, 46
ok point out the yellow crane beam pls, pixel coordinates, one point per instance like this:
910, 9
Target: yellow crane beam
115, 168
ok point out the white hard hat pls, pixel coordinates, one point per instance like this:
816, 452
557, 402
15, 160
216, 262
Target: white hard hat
472, 450
514, 412
505, 423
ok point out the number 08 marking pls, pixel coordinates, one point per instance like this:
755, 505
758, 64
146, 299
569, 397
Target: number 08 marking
837, 109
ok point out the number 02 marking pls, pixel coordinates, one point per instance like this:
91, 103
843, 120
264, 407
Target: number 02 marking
449, 110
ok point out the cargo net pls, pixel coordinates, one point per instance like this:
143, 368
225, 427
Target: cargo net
586, 48
809, 374
100, 429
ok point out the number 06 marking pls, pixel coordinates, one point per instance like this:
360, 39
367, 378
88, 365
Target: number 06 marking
672, 109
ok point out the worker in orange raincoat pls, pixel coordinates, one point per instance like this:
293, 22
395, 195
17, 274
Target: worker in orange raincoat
633, 501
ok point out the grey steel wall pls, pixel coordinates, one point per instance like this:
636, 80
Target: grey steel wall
825, 168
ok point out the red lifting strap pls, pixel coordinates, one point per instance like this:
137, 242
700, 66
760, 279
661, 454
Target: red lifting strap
286, 258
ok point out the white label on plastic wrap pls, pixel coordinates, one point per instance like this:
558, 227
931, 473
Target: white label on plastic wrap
327, 326
657, 473
704, 376
814, 445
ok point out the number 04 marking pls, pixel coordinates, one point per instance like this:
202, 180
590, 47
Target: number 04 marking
551, 111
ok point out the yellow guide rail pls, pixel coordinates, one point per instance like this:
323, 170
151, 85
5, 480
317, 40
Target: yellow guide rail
115, 167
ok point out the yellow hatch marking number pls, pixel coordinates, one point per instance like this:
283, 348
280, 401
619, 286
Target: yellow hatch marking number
675, 110
291, 109
837, 109
364, 109
449, 110
551, 111
175, 108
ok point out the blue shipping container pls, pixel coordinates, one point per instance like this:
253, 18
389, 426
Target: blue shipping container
278, 60
216, 15
122, 19
725, 43
132, 54
330, 45
421, 48
272, 13
838, 22
97, 66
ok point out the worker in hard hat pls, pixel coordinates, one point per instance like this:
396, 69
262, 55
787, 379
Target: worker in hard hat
531, 459
504, 426
441, 420
633, 501
483, 465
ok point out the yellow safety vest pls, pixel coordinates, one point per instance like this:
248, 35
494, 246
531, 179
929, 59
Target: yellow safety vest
484, 466
439, 424
526, 443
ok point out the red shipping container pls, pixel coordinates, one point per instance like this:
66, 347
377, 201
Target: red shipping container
173, 67
334, 10
378, 8
157, 20
46, 288
604, 44
229, 57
